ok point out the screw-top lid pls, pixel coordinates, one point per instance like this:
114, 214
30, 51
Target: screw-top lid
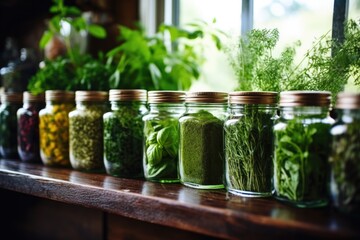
305, 98
12, 97
348, 101
91, 96
59, 95
206, 97
28, 97
127, 95
248, 97
166, 96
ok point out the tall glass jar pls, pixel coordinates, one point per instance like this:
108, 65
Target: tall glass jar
302, 145
28, 127
202, 140
86, 130
54, 128
10, 104
249, 143
123, 133
344, 157
161, 135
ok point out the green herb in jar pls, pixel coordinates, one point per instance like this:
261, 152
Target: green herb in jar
345, 167
123, 140
301, 161
201, 148
249, 151
161, 148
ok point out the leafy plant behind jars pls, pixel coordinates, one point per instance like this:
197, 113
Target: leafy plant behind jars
257, 68
171, 59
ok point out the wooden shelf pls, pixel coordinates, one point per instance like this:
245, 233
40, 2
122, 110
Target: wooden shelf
212, 213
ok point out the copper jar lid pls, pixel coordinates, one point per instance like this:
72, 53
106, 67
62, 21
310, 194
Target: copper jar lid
348, 101
305, 98
91, 96
206, 97
29, 97
166, 96
12, 97
59, 95
127, 95
250, 97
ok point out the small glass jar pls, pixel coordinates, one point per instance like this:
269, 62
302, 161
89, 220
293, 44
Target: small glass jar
202, 140
28, 127
344, 157
124, 133
10, 104
161, 135
86, 130
249, 143
54, 128
302, 146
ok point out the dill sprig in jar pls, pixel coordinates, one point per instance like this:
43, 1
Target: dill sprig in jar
54, 128
161, 135
86, 130
201, 162
302, 146
10, 104
28, 127
344, 157
123, 133
249, 143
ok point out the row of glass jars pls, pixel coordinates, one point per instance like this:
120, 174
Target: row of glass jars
169, 144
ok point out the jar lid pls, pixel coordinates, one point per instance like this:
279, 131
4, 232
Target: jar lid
12, 97
91, 96
127, 95
305, 98
166, 96
348, 101
206, 97
59, 95
29, 97
249, 97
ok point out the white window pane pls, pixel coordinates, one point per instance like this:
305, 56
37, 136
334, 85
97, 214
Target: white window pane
217, 73
354, 10
302, 20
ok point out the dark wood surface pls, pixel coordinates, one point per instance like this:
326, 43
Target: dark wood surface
209, 212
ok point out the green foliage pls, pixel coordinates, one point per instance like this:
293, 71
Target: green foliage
258, 69
74, 71
170, 59
62, 73
72, 15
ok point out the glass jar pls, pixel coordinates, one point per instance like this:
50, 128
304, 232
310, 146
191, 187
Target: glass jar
302, 145
249, 143
124, 133
28, 127
202, 140
10, 104
86, 131
344, 157
161, 135
54, 128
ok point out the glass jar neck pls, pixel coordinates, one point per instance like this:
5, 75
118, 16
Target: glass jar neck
86, 104
195, 107
166, 107
115, 105
348, 115
239, 108
304, 111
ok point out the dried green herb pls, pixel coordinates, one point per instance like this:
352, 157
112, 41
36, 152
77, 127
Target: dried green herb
161, 149
301, 161
249, 151
123, 140
201, 149
345, 166
86, 138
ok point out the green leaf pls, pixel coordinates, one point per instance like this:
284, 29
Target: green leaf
73, 11
167, 136
155, 75
54, 9
154, 154
46, 37
97, 31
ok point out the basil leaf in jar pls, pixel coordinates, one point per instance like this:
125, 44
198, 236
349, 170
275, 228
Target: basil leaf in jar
167, 136
154, 154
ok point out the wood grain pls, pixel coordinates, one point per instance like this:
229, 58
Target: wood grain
209, 212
